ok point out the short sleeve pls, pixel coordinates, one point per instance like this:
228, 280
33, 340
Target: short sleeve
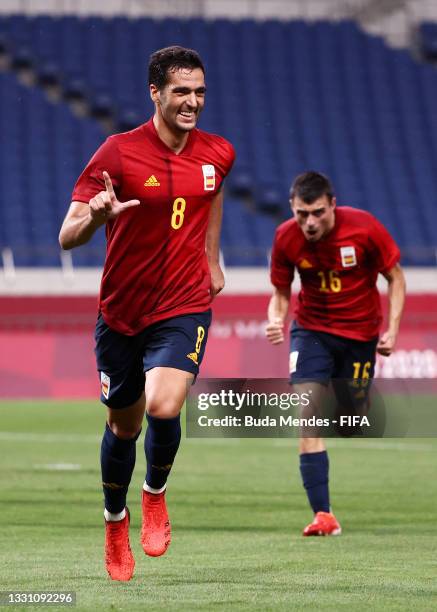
91, 180
281, 268
385, 251
230, 158
222, 154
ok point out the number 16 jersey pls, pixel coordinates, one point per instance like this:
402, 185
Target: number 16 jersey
156, 265
338, 273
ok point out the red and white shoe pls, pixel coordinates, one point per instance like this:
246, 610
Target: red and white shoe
156, 529
324, 524
119, 560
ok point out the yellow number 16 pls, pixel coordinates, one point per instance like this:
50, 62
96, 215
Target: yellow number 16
330, 282
177, 217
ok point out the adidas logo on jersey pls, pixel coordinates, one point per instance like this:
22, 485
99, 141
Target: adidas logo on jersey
193, 357
305, 264
152, 182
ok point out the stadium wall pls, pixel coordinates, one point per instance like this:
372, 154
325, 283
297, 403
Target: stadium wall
229, 9
393, 19
47, 343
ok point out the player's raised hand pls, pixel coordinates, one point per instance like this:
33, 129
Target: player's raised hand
105, 206
275, 331
386, 344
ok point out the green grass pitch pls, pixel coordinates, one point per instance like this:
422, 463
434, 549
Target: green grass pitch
237, 508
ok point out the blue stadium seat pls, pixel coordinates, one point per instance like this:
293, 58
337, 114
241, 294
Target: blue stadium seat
290, 96
428, 40
42, 150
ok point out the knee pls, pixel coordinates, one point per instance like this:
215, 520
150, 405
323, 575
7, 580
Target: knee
311, 445
163, 408
124, 432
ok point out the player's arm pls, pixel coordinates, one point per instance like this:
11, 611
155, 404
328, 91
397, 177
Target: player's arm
82, 220
396, 295
277, 313
78, 226
213, 243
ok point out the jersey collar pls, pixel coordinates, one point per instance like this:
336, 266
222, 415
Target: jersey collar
151, 132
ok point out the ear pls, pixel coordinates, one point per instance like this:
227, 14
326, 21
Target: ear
154, 93
334, 202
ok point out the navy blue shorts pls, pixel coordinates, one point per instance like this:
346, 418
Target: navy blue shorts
348, 366
178, 342
320, 357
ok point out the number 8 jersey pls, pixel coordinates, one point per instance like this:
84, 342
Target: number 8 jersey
156, 266
338, 273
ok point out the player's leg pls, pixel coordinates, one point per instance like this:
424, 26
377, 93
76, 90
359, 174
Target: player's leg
353, 384
313, 457
174, 353
119, 361
118, 454
166, 390
311, 363
117, 459
314, 465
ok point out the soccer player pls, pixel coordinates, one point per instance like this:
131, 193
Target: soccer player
157, 190
338, 253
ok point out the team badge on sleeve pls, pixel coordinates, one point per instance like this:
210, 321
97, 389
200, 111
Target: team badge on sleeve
348, 256
105, 382
208, 177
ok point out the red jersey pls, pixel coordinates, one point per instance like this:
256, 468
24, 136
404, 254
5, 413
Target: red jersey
338, 273
156, 265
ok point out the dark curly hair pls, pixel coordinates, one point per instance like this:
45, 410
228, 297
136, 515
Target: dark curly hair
310, 186
170, 59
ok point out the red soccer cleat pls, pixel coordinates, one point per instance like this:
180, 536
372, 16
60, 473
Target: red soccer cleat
119, 560
156, 530
324, 524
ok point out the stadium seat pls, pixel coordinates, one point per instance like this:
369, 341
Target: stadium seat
42, 151
290, 96
428, 40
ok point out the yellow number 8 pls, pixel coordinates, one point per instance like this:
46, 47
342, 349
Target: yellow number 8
177, 217
200, 337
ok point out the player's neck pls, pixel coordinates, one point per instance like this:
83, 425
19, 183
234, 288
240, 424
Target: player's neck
330, 228
174, 141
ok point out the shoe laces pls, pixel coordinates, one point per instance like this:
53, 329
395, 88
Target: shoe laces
117, 538
155, 510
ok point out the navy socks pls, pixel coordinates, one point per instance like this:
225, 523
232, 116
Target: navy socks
117, 459
314, 468
161, 443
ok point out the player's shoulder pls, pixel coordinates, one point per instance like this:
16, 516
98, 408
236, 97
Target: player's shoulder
137, 134
354, 216
287, 229
216, 143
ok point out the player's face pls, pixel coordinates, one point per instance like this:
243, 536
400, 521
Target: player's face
182, 99
317, 219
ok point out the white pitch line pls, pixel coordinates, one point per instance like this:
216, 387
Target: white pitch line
371, 443
25, 436
374, 444
58, 467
